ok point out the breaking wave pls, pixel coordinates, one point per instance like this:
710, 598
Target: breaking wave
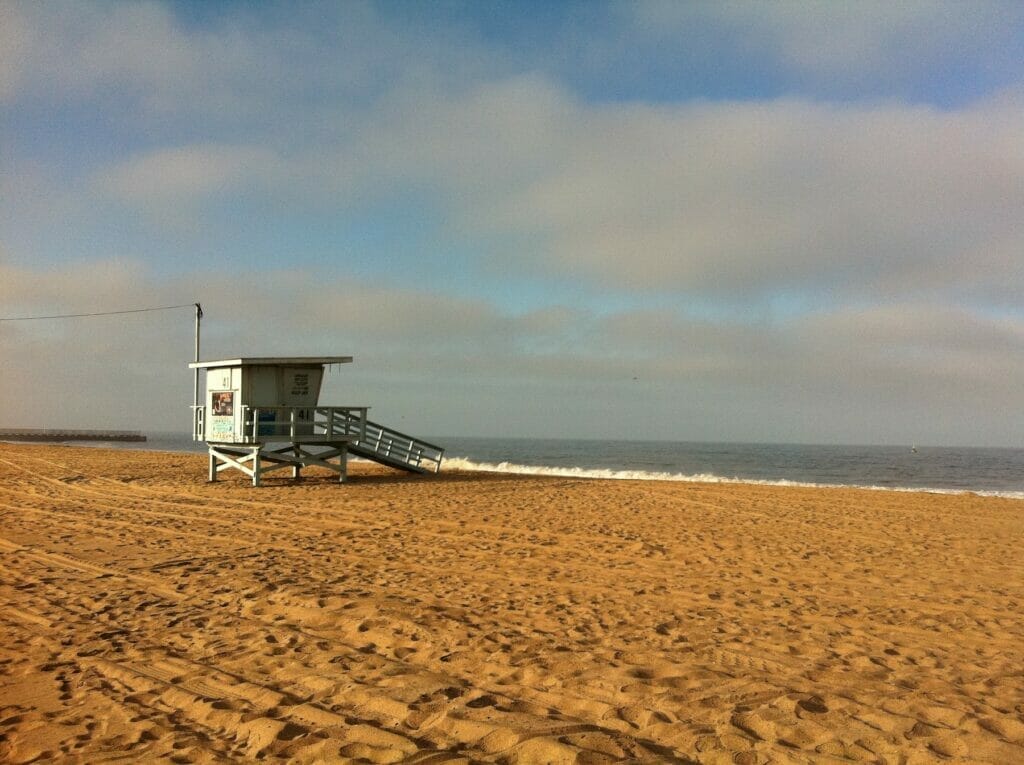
512, 468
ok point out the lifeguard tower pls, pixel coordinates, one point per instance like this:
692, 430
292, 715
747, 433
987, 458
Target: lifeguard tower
264, 414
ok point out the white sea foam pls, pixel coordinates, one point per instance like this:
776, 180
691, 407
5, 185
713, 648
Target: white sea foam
463, 463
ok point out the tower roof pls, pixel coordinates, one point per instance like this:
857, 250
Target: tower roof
271, 361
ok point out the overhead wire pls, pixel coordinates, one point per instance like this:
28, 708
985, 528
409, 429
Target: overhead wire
100, 313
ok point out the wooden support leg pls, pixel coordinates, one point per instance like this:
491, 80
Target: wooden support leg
343, 465
213, 467
297, 470
256, 467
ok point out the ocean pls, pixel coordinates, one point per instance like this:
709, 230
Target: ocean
896, 468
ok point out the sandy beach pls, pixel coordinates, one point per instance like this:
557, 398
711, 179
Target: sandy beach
148, 615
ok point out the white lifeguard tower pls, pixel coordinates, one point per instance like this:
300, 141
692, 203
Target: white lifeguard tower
264, 414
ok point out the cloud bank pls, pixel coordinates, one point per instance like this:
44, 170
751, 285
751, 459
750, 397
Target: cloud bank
450, 366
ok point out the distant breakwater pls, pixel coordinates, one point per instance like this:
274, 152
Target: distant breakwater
66, 434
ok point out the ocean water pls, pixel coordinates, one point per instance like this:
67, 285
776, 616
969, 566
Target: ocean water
939, 469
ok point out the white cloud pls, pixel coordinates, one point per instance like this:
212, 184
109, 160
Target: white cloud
735, 200
16, 38
75, 287
189, 173
294, 72
872, 43
730, 198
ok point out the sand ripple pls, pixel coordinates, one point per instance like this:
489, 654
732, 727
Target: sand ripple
147, 615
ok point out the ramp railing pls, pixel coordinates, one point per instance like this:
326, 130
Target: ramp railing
288, 423
305, 423
395, 449
326, 424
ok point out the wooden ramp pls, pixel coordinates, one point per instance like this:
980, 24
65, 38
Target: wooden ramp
398, 450
280, 437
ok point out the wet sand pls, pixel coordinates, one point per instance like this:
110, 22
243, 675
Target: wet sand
147, 615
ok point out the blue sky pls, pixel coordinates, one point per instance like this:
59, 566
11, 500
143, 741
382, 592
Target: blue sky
708, 221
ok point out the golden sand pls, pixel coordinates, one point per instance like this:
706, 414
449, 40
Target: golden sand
147, 615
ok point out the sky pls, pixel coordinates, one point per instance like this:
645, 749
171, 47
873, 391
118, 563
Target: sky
735, 221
